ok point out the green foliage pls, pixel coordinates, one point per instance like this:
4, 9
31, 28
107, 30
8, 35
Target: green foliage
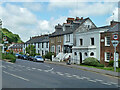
31, 50
92, 62
21, 53
10, 36
48, 55
9, 57
119, 63
111, 63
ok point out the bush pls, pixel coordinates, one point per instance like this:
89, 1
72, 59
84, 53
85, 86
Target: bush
92, 62
111, 63
49, 55
10, 57
119, 63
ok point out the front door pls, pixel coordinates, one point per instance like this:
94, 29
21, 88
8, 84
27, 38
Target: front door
80, 57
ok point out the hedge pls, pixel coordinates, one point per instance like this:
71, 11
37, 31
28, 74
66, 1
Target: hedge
92, 62
9, 56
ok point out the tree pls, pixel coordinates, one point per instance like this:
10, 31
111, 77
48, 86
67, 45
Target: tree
31, 50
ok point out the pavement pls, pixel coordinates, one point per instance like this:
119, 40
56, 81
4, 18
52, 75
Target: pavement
106, 72
28, 74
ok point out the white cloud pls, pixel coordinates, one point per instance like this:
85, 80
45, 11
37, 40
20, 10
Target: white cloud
94, 9
24, 22
115, 15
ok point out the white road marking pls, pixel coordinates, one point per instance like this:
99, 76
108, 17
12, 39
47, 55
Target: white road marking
33, 68
9, 62
52, 72
60, 73
99, 80
39, 69
75, 75
4, 66
46, 71
91, 80
79, 77
106, 83
16, 76
114, 83
68, 76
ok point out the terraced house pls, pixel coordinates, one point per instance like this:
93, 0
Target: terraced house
107, 49
41, 44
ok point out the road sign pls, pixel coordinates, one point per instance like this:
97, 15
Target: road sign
115, 43
4, 38
115, 36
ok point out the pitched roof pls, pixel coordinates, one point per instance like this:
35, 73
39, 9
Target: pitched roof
115, 28
70, 29
39, 39
17, 45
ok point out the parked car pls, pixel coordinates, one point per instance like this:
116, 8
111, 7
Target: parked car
38, 58
30, 58
16, 55
20, 56
25, 57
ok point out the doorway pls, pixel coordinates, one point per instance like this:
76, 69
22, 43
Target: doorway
80, 57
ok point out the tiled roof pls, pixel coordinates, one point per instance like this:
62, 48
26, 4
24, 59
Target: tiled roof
115, 28
17, 45
69, 30
39, 39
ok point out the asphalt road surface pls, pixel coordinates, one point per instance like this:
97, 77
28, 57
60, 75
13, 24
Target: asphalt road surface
28, 74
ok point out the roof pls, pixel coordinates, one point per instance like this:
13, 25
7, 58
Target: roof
72, 27
39, 39
70, 19
115, 28
17, 45
103, 27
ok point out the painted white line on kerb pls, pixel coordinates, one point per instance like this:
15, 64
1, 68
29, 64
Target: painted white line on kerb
16, 76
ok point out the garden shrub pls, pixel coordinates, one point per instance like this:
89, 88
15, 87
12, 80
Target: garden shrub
49, 55
111, 63
92, 62
119, 63
9, 57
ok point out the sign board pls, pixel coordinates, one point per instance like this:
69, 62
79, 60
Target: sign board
4, 38
115, 43
115, 36
6, 42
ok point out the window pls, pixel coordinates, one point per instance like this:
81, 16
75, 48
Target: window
92, 41
46, 52
47, 45
53, 49
75, 53
52, 40
91, 54
68, 38
85, 54
59, 49
38, 45
38, 51
42, 52
81, 42
107, 41
59, 39
42, 45
107, 56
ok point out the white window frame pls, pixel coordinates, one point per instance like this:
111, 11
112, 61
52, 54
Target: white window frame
106, 56
106, 44
68, 38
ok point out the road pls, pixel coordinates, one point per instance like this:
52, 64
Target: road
28, 74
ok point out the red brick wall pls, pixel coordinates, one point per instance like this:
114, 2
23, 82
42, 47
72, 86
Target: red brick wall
110, 48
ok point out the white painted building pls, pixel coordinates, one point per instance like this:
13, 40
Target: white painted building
87, 43
41, 44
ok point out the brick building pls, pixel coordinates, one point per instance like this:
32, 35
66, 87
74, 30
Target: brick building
107, 49
17, 47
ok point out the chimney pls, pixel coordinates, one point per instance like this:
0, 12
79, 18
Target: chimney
81, 18
113, 23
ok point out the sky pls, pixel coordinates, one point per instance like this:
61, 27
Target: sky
32, 18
